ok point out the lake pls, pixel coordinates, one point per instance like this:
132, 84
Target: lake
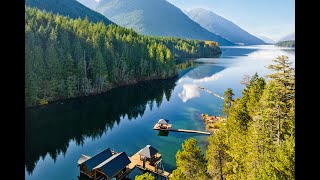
122, 119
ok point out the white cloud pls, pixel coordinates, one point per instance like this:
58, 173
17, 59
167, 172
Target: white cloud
214, 77
189, 91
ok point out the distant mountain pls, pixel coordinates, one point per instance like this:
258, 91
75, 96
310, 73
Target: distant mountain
223, 27
71, 8
288, 37
155, 17
267, 40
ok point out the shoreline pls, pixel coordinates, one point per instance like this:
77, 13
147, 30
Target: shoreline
213, 123
120, 85
132, 82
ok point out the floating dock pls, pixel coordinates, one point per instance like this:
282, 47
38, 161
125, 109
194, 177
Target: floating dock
157, 127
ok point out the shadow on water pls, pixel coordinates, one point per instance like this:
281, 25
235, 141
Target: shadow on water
163, 133
231, 52
49, 129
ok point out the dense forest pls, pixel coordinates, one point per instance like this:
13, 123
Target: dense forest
258, 139
290, 43
66, 58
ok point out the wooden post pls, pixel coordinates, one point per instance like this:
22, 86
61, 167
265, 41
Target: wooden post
144, 162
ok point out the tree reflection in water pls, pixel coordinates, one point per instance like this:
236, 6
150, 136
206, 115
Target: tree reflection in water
49, 129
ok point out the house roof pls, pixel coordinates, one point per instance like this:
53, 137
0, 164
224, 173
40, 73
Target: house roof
114, 164
97, 159
83, 158
148, 151
162, 121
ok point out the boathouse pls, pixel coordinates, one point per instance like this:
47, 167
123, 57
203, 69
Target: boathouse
104, 165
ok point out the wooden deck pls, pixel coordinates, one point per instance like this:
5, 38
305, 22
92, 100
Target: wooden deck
136, 162
156, 127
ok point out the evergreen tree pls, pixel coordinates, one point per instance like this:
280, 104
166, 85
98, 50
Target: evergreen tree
285, 86
191, 163
227, 101
217, 156
70, 77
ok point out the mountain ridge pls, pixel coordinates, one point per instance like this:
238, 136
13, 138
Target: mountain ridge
164, 20
221, 26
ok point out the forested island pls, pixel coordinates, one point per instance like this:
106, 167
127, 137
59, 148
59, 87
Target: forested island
290, 43
67, 58
257, 141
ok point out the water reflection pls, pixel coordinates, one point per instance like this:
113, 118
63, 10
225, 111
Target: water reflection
189, 91
229, 52
163, 133
49, 129
289, 51
211, 78
204, 71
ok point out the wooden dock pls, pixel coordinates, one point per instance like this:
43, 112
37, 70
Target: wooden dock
136, 162
156, 127
147, 159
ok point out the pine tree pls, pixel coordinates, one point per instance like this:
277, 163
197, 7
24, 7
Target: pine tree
99, 71
227, 101
217, 156
70, 77
285, 86
191, 163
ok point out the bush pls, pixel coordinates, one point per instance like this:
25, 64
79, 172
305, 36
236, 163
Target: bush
145, 176
43, 102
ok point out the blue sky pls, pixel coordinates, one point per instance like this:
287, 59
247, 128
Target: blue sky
271, 18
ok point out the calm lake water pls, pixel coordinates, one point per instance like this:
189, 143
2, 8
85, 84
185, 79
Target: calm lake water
57, 134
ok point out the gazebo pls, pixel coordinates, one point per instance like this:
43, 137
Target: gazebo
150, 154
163, 124
162, 121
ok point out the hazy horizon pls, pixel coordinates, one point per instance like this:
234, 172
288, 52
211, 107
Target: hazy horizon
269, 18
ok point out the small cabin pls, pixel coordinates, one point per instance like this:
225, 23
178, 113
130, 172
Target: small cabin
104, 165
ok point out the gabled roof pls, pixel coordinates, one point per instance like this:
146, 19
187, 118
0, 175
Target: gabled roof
162, 121
148, 151
83, 158
114, 164
97, 159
